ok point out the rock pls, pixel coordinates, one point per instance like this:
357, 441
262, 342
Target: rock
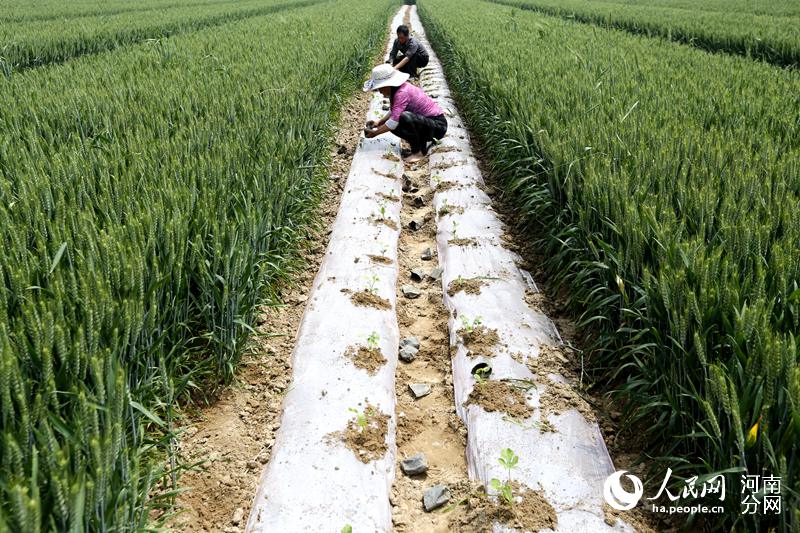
238, 515
417, 274
410, 341
419, 201
436, 274
407, 184
408, 354
418, 390
253, 465
435, 497
335, 177
410, 292
414, 465
415, 224
427, 254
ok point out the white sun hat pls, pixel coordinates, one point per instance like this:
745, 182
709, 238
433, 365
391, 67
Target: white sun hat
385, 76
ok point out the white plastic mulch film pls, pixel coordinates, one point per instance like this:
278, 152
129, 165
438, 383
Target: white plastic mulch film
569, 465
312, 481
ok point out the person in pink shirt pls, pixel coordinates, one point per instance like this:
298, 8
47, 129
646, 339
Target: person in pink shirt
413, 116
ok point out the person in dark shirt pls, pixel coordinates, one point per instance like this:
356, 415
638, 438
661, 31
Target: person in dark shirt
407, 53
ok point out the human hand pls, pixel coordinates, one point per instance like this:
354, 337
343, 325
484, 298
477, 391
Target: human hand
369, 133
370, 124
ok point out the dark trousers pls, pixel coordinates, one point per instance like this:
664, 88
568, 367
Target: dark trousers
419, 130
410, 68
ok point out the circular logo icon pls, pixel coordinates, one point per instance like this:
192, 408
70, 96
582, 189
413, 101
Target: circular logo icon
619, 498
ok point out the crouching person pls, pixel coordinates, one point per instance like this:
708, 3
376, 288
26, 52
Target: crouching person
407, 53
413, 115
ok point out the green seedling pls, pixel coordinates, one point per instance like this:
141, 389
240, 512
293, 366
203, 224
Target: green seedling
372, 340
469, 327
347, 529
455, 229
362, 419
373, 280
436, 180
481, 375
384, 249
383, 209
509, 460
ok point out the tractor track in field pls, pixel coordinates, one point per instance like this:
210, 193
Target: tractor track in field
233, 437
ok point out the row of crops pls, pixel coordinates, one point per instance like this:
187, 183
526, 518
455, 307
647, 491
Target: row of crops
23, 10
773, 7
663, 184
149, 198
33, 43
774, 39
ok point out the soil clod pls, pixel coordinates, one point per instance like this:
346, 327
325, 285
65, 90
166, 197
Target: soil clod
382, 259
499, 396
436, 274
410, 292
419, 390
408, 354
480, 340
410, 341
469, 286
416, 224
369, 359
435, 497
366, 298
414, 465
463, 241
417, 274
366, 434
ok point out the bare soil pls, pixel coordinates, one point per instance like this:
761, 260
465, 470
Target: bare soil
477, 512
380, 259
388, 197
469, 286
499, 396
231, 439
386, 222
369, 359
446, 185
366, 298
450, 210
463, 241
480, 341
428, 425
367, 441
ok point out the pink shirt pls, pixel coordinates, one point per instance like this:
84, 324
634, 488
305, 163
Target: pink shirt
411, 98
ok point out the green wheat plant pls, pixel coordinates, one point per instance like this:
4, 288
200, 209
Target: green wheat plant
151, 199
674, 238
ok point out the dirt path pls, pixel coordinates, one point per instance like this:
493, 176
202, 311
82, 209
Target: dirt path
233, 437
428, 425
